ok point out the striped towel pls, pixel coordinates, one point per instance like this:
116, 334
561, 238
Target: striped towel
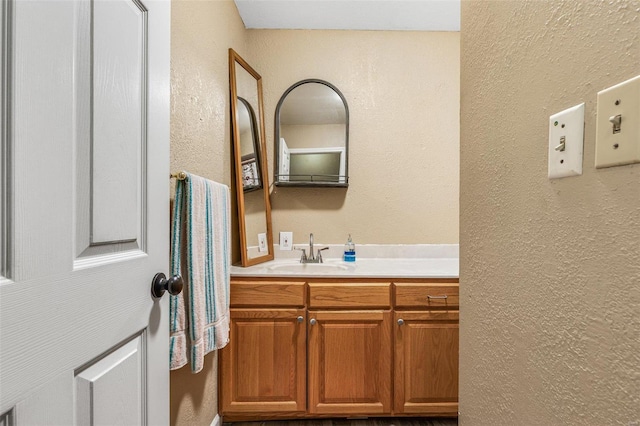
200, 244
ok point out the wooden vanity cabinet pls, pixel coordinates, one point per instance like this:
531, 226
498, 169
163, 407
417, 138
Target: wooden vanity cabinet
340, 348
426, 349
263, 368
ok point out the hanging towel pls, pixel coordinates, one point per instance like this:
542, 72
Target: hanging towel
200, 244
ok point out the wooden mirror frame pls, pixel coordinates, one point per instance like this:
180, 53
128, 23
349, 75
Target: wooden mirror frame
235, 59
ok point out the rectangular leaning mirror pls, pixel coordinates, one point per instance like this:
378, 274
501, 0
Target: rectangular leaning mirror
250, 168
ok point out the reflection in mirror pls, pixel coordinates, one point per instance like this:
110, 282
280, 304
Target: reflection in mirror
249, 146
312, 136
247, 125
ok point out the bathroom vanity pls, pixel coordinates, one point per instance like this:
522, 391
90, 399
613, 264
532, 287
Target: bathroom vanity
342, 341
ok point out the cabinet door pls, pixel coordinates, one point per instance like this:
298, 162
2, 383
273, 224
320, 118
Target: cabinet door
263, 366
350, 362
426, 362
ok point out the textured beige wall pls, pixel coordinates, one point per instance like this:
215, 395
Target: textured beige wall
313, 135
550, 270
402, 89
201, 34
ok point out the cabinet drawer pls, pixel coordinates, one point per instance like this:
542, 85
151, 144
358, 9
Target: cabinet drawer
427, 295
267, 293
356, 295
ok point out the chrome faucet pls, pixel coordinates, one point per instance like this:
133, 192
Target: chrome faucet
311, 258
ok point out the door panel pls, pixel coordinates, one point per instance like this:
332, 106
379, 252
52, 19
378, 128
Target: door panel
4, 140
5, 419
118, 118
71, 302
264, 338
264, 363
350, 362
426, 362
41, 85
51, 404
110, 195
110, 391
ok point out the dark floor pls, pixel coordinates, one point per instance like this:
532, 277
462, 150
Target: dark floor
368, 422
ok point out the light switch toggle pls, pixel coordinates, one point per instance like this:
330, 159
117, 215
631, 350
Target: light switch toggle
567, 128
616, 104
616, 120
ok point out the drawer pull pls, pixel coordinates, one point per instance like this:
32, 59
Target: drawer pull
445, 297
312, 321
300, 318
400, 321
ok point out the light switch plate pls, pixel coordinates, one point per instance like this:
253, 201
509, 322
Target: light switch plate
262, 242
616, 148
286, 241
566, 140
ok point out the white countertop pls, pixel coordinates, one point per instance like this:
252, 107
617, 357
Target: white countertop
373, 261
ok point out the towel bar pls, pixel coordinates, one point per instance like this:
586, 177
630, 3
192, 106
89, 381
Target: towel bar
178, 175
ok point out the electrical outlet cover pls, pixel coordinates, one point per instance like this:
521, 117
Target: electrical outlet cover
568, 127
262, 242
622, 147
286, 241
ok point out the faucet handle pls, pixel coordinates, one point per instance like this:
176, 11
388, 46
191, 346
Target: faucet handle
303, 258
320, 254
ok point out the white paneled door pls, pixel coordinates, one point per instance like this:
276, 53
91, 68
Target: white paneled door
84, 212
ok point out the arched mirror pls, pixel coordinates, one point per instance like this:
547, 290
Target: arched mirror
252, 187
312, 136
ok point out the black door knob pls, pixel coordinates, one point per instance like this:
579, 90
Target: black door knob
160, 284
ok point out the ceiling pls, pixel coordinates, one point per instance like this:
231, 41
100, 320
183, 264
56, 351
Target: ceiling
404, 15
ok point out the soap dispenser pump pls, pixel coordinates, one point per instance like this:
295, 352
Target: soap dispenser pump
349, 251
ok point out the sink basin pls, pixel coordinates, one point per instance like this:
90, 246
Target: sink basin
311, 268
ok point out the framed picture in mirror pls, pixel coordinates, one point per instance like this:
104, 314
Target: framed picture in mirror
250, 176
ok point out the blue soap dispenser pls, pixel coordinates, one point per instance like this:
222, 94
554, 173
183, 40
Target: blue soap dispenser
349, 251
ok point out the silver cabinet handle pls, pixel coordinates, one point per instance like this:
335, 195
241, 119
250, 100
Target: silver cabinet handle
437, 297
300, 318
400, 321
312, 321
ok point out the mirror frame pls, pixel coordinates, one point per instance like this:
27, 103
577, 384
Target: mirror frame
234, 60
276, 177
